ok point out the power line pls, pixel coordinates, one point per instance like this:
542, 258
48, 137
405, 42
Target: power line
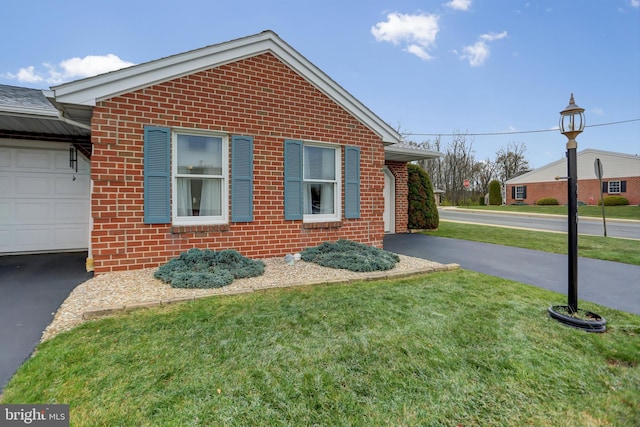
513, 132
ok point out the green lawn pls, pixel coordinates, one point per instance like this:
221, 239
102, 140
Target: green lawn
605, 248
619, 212
455, 348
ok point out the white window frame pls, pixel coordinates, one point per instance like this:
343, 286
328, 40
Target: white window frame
199, 220
617, 184
519, 192
337, 192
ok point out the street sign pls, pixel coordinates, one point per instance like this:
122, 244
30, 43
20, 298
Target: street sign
597, 167
466, 183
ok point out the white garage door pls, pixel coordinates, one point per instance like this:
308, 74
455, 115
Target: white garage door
44, 204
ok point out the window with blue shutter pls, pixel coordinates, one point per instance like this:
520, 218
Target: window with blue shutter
352, 182
292, 179
241, 178
157, 175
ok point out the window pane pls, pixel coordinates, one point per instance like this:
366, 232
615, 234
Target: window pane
319, 163
199, 197
318, 198
199, 155
614, 187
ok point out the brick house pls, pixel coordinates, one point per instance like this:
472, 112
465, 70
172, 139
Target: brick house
621, 177
243, 145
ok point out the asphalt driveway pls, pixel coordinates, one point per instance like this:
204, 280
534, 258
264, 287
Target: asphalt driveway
32, 288
611, 284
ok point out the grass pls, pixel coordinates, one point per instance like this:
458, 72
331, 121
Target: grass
604, 248
455, 348
618, 212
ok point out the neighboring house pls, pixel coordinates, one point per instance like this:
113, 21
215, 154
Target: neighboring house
621, 177
243, 145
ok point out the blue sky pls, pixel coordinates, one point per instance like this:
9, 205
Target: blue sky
425, 67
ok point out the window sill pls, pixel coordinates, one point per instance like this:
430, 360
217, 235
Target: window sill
181, 229
320, 225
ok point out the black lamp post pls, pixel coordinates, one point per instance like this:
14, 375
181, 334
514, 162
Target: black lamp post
571, 125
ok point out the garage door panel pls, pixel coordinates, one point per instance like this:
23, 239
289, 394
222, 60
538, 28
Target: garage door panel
32, 186
33, 159
32, 212
66, 186
5, 157
5, 185
71, 212
71, 237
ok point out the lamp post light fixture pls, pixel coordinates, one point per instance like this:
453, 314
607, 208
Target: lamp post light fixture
571, 125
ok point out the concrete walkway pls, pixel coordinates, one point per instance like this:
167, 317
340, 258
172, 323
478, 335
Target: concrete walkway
611, 284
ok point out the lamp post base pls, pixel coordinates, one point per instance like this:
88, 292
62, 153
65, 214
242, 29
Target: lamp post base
580, 319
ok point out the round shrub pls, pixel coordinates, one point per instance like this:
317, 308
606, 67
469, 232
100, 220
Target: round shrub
204, 269
547, 201
349, 255
614, 201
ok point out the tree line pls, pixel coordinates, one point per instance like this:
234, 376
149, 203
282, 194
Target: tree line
458, 164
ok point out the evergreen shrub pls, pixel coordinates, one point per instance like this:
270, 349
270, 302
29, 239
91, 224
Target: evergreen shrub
205, 269
546, 201
423, 212
349, 255
495, 196
614, 201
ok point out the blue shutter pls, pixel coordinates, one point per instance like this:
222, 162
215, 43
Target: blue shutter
157, 175
623, 186
352, 182
241, 178
292, 179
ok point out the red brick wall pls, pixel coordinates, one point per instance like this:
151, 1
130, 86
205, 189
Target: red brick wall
588, 191
399, 171
258, 96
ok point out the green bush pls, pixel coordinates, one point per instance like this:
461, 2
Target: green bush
545, 201
481, 200
349, 255
205, 269
495, 195
614, 201
423, 212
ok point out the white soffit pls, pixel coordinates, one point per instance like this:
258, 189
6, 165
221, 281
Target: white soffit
89, 91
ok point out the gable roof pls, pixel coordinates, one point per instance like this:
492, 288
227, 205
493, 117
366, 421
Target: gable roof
77, 98
614, 165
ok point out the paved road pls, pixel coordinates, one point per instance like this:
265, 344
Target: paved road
611, 284
32, 288
590, 226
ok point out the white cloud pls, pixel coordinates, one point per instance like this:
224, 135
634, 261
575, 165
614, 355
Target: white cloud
418, 32
460, 4
478, 52
27, 75
635, 3
70, 69
493, 36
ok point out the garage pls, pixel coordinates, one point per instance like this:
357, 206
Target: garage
44, 203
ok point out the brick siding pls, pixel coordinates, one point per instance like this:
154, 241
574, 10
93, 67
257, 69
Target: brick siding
258, 96
588, 191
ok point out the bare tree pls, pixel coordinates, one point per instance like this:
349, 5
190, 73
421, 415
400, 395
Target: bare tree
511, 161
485, 172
